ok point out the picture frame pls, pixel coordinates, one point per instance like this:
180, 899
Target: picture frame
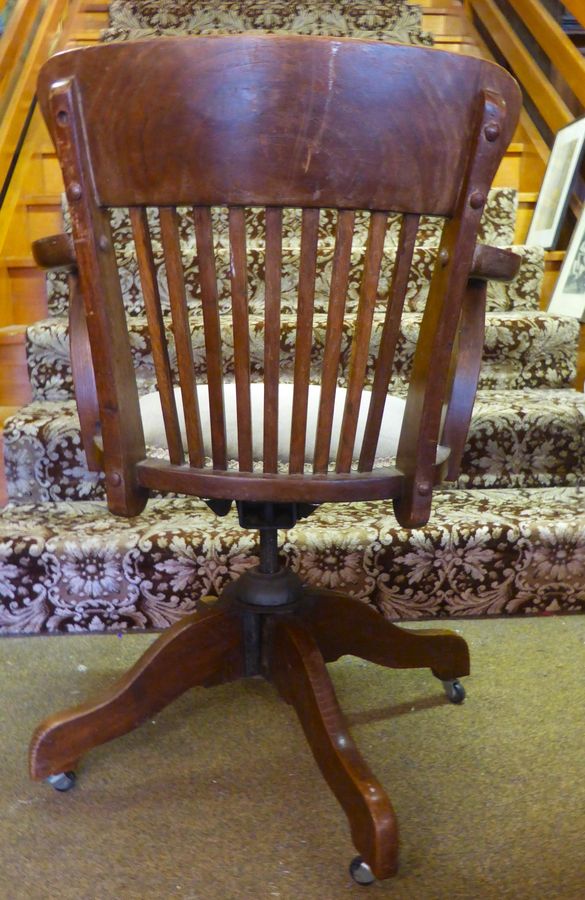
555, 192
568, 297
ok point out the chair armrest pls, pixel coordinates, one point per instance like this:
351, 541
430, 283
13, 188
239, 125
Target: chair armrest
494, 264
55, 252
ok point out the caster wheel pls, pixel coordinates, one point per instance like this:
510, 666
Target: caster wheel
454, 690
63, 781
361, 872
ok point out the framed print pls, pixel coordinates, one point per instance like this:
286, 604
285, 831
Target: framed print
569, 294
556, 186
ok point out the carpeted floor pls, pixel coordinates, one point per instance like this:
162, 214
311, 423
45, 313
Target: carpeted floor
219, 796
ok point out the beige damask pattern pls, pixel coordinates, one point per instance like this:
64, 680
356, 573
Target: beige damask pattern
71, 567
368, 19
517, 439
497, 229
529, 349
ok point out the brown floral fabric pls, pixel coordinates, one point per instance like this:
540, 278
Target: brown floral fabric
517, 439
527, 349
383, 21
497, 229
70, 567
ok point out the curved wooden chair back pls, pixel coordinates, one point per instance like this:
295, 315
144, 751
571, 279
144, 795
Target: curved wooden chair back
276, 122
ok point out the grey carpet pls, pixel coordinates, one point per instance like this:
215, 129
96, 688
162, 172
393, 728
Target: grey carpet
219, 797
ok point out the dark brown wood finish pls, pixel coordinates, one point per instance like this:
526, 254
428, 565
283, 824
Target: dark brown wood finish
297, 668
341, 627
160, 352
304, 340
458, 188
213, 347
58, 253
203, 648
121, 424
331, 355
55, 252
239, 279
169, 233
361, 340
417, 448
83, 374
240, 111
272, 337
276, 121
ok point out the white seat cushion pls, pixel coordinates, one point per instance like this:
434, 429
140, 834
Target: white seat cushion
154, 432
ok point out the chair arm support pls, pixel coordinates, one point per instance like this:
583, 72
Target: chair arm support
84, 379
494, 264
464, 375
489, 264
55, 252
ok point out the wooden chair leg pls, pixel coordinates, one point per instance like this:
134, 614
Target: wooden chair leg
201, 649
342, 625
297, 668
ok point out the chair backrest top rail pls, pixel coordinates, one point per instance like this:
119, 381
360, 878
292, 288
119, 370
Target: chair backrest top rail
225, 120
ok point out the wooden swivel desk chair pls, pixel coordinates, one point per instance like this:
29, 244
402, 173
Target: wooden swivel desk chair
276, 122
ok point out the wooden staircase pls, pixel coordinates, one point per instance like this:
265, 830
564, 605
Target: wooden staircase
32, 207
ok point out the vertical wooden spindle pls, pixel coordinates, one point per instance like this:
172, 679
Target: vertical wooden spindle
273, 265
176, 284
239, 287
212, 328
304, 339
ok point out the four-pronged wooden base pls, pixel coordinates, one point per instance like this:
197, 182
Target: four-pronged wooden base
210, 647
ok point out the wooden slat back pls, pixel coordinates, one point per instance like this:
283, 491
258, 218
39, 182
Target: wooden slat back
160, 352
304, 339
239, 283
276, 122
176, 284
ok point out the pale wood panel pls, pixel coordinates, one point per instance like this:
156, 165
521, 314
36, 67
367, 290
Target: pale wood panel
42, 45
554, 111
14, 384
28, 292
555, 43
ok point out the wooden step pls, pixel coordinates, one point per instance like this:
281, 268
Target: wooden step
27, 287
521, 169
526, 203
452, 22
553, 260
15, 387
37, 215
